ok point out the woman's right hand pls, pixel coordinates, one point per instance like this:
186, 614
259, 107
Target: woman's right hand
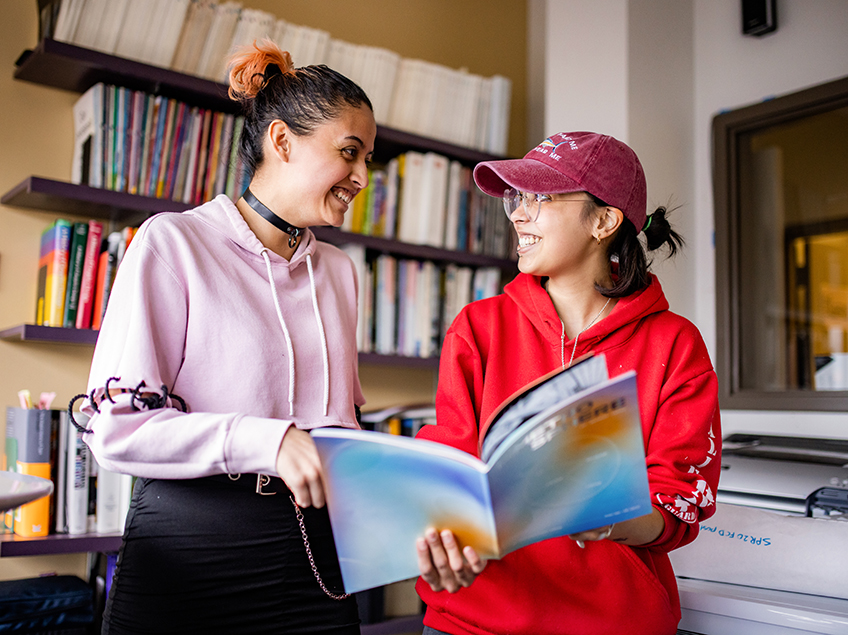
299, 465
443, 565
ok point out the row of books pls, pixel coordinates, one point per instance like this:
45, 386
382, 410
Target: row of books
76, 268
133, 142
425, 198
198, 36
85, 499
130, 141
406, 306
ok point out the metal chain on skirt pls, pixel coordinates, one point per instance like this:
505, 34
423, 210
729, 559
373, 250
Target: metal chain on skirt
330, 594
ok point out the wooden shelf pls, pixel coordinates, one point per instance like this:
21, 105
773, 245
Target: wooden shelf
88, 337
41, 194
69, 67
74, 68
12, 545
49, 334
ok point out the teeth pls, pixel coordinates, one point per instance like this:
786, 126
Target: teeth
343, 196
524, 241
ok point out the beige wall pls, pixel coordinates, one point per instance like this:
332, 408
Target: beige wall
36, 130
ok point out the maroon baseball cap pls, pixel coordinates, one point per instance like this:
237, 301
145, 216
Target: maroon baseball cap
574, 162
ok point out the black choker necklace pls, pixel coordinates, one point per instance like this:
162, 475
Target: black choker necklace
272, 218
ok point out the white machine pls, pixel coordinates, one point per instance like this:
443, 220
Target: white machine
774, 558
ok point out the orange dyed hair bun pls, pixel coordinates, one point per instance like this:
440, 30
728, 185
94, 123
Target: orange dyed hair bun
247, 67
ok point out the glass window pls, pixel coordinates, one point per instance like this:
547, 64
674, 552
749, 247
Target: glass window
781, 185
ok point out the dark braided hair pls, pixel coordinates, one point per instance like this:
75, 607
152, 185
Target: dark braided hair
628, 250
265, 82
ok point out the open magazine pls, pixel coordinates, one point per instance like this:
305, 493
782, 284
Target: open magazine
576, 463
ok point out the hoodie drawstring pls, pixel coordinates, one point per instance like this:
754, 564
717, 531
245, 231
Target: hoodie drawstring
321, 332
317, 312
264, 253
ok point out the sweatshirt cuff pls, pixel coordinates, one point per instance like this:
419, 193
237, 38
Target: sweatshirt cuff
673, 533
253, 444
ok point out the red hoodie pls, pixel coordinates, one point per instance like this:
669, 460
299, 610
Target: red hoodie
498, 345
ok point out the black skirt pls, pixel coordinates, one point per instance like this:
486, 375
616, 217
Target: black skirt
212, 556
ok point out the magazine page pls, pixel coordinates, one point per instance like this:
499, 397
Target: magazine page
577, 466
541, 395
384, 491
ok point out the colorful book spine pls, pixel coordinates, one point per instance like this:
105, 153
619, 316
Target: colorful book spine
136, 135
182, 126
154, 104
41, 293
76, 262
89, 275
156, 153
168, 149
200, 168
56, 260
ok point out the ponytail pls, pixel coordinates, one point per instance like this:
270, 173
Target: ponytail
629, 252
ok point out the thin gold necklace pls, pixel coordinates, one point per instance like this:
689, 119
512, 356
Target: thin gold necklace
577, 337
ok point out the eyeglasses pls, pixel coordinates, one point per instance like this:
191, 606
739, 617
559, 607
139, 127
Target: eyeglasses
532, 203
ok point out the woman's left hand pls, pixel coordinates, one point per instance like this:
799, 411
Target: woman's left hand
592, 535
636, 531
443, 565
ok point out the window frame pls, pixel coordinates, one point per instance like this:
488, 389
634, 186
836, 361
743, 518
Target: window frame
727, 127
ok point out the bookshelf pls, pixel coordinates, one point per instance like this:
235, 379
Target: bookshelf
47, 195
73, 68
48, 334
69, 67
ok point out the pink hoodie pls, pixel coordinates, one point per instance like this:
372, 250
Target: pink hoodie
253, 343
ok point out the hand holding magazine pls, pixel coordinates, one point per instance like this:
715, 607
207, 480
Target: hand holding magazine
562, 456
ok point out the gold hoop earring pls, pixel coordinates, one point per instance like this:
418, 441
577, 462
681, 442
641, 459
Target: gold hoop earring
598, 238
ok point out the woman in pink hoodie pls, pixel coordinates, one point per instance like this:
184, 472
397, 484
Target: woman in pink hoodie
229, 334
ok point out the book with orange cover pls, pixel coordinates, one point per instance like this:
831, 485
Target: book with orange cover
566, 455
34, 433
53, 266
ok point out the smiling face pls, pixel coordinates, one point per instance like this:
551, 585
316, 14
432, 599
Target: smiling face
323, 171
560, 242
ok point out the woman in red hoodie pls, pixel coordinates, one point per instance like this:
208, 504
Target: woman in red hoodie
578, 204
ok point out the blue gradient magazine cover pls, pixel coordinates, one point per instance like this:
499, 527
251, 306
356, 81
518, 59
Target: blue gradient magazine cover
576, 464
